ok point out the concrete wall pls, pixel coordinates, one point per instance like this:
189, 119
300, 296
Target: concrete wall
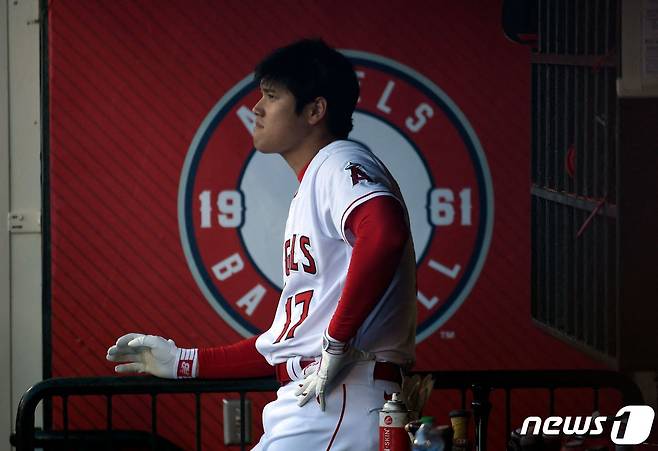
20, 195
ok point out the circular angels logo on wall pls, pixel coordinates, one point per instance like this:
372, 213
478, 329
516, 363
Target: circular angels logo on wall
233, 201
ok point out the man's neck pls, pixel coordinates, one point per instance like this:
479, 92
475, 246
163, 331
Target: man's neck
299, 158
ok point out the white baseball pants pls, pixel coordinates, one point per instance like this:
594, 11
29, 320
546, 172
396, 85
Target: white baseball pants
350, 420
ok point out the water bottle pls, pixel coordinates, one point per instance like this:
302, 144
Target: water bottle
427, 437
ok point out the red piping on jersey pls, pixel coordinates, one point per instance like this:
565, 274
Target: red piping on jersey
300, 176
340, 420
342, 219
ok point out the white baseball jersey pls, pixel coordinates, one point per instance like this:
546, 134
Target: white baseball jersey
316, 255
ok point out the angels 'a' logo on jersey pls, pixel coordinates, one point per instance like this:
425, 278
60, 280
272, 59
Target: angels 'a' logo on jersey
233, 201
357, 173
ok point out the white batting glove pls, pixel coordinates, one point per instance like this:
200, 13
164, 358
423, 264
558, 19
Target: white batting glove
152, 354
336, 356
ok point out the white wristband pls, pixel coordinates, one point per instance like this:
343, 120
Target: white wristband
187, 363
331, 345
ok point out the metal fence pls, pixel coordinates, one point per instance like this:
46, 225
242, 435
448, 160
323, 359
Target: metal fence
574, 176
27, 438
477, 384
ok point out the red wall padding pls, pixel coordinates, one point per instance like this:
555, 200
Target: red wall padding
131, 83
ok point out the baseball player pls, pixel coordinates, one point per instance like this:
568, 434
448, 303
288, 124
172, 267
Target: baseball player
344, 327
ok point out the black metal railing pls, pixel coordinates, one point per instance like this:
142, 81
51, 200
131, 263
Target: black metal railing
480, 384
25, 437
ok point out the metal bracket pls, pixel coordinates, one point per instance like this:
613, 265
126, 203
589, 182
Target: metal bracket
24, 221
233, 418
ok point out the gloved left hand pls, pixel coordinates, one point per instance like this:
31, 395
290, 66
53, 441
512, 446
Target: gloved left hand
140, 353
336, 356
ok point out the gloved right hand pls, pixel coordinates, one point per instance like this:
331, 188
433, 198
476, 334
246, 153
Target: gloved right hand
139, 353
336, 356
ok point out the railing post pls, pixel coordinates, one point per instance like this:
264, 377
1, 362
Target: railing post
25, 420
481, 410
243, 426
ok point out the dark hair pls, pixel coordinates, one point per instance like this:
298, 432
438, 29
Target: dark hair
310, 68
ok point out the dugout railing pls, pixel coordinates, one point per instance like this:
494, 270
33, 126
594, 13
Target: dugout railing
474, 385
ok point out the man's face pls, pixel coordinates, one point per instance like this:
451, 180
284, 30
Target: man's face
278, 127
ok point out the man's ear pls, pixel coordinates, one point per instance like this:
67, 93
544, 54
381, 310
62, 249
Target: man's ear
316, 110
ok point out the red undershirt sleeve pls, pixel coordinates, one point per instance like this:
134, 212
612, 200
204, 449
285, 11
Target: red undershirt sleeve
381, 236
236, 360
